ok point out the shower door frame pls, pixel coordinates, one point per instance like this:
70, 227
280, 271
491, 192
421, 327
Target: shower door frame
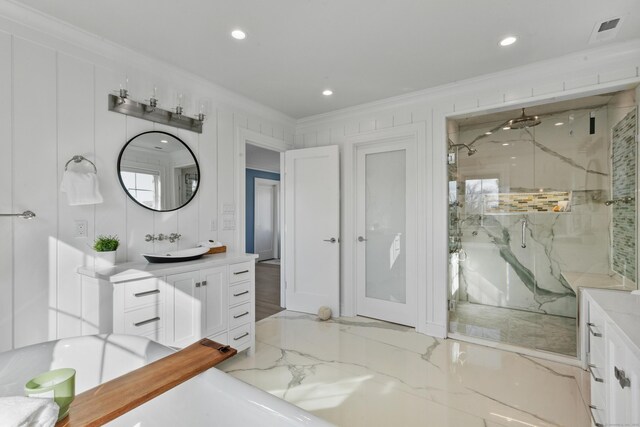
438, 220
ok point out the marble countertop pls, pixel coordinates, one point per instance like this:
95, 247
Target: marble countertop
141, 269
623, 309
594, 280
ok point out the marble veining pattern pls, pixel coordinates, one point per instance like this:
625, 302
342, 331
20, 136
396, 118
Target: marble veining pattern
364, 372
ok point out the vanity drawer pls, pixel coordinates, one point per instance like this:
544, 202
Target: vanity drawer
239, 272
144, 320
142, 293
240, 293
240, 337
239, 315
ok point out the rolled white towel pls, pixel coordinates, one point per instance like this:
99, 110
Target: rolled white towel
81, 188
18, 411
210, 244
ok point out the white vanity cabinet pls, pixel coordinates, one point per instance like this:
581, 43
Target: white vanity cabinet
612, 331
180, 303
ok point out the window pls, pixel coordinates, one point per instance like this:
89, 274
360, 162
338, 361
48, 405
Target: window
476, 192
143, 186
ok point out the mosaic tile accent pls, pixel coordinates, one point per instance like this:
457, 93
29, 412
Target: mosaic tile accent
509, 203
624, 184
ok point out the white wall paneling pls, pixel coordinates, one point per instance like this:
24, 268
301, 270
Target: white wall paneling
581, 74
6, 198
55, 80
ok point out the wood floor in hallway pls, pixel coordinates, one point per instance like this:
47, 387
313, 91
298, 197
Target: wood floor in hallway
267, 290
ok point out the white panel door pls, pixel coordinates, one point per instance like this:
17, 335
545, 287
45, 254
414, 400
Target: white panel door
214, 291
265, 216
312, 229
386, 271
184, 309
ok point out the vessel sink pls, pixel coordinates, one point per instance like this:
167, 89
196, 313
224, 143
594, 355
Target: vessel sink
177, 256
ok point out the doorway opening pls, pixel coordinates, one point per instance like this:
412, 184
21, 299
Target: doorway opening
262, 226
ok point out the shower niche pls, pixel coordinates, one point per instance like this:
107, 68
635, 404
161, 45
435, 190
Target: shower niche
541, 203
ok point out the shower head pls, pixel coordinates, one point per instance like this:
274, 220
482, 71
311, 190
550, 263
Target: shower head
471, 151
523, 121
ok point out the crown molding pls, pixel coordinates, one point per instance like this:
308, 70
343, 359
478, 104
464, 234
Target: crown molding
560, 66
25, 22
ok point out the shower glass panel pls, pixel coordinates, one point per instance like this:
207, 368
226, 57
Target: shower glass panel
529, 221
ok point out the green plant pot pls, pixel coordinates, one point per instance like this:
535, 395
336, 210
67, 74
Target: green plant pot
59, 384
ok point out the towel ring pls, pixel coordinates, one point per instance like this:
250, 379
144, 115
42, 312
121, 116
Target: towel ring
78, 159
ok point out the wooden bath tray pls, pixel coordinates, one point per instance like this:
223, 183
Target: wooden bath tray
108, 401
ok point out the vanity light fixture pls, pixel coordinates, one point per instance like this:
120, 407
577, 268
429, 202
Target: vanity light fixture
120, 102
238, 34
507, 41
327, 92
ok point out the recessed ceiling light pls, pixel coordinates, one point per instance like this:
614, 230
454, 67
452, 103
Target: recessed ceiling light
327, 92
506, 128
505, 144
559, 124
508, 41
488, 132
238, 34
513, 158
164, 141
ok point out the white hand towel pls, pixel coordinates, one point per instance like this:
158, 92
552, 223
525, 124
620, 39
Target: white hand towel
81, 188
18, 411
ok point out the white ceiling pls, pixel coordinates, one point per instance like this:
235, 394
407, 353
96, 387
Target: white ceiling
364, 50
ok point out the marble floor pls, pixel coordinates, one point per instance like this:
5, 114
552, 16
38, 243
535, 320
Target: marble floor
363, 372
537, 331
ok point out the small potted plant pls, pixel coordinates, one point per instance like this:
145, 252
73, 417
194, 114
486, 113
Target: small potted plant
105, 247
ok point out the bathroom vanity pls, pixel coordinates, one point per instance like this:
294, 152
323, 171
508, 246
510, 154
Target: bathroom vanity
612, 344
175, 304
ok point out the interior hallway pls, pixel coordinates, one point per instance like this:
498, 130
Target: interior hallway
267, 289
365, 372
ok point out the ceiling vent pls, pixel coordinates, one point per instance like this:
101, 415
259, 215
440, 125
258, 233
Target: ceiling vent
606, 30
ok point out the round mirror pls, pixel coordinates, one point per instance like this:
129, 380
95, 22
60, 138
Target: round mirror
158, 171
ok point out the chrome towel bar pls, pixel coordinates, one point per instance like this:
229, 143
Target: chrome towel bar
23, 215
78, 159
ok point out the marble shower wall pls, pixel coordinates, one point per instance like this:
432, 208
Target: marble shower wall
624, 185
494, 268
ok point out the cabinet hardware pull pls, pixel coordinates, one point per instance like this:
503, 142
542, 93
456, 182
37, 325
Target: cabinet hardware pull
241, 336
144, 294
197, 284
598, 380
621, 377
204, 283
241, 293
241, 272
593, 417
240, 315
144, 322
594, 333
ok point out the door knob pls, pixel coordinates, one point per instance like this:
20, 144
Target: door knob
331, 240
361, 239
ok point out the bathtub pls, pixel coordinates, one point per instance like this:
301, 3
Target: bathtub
211, 398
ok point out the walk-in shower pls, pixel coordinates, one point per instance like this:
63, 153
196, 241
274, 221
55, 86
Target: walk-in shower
541, 203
